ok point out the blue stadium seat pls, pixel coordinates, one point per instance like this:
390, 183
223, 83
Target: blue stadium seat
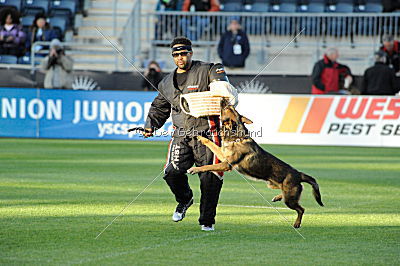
11, 3
33, 7
313, 8
259, 7
24, 60
63, 7
27, 21
60, 24
8, 59
341, 8
233, 7
373, 8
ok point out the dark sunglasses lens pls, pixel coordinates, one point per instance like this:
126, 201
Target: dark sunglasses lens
182, 54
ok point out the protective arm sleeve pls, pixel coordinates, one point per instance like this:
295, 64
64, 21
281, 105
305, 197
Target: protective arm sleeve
159, 112
220, 85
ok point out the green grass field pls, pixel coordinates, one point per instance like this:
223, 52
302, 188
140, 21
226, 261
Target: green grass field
57, 195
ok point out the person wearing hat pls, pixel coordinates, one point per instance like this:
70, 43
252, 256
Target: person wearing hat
392, 50
190, 76
379, 79
58, 67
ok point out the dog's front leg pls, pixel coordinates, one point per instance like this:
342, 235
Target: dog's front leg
219, 167
213, 147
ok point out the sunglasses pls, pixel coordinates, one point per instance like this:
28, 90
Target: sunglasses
182, 54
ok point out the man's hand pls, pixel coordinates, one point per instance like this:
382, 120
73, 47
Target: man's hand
148, 132
10, 38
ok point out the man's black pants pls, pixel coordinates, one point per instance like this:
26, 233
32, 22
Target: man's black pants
182, 153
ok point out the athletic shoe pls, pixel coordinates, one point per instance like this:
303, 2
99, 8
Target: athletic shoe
180, 211
207, 228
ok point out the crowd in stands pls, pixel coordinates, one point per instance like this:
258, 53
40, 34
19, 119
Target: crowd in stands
383, 78
23, 22
280, 5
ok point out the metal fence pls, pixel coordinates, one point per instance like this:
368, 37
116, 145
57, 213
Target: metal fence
131, 34
205, 28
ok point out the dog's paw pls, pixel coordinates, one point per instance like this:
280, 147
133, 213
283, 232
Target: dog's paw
296, 225
202, 139
193, 170
277, 198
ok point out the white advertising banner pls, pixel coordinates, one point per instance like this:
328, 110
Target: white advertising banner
323, 120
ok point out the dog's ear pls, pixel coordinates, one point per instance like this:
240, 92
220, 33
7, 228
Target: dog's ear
246, 120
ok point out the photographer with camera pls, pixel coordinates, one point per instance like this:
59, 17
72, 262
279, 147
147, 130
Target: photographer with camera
58, 67
153, 75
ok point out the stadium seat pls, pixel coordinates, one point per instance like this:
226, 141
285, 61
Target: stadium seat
60, 24
341, 8
64, 7
259, 7
26, 21
11, 3
33, 7
313, 8
24, 60
233, 6
370, 8
8, 59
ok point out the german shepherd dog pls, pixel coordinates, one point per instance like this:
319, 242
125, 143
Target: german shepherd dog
239, 151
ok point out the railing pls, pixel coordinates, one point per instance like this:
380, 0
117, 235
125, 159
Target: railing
131, 34
71, 49
205, 28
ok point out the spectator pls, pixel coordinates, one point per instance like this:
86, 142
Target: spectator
40, 30
379, 79
58, 67
169, 5
153, 75
392, 50
194, 27
328, 73
234, 48
166, 24
12, 38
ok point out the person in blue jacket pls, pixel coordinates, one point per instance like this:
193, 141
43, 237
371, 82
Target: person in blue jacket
234, 47
40, 30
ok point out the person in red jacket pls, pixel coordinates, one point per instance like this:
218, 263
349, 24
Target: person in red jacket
194, 27
330, 77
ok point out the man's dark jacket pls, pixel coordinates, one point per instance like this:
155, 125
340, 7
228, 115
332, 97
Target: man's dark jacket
379, 80
393, 57
199, 77
225, 49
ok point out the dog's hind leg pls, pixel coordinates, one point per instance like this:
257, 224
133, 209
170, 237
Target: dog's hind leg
292, 198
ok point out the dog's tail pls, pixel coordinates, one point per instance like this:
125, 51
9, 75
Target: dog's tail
310, 180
